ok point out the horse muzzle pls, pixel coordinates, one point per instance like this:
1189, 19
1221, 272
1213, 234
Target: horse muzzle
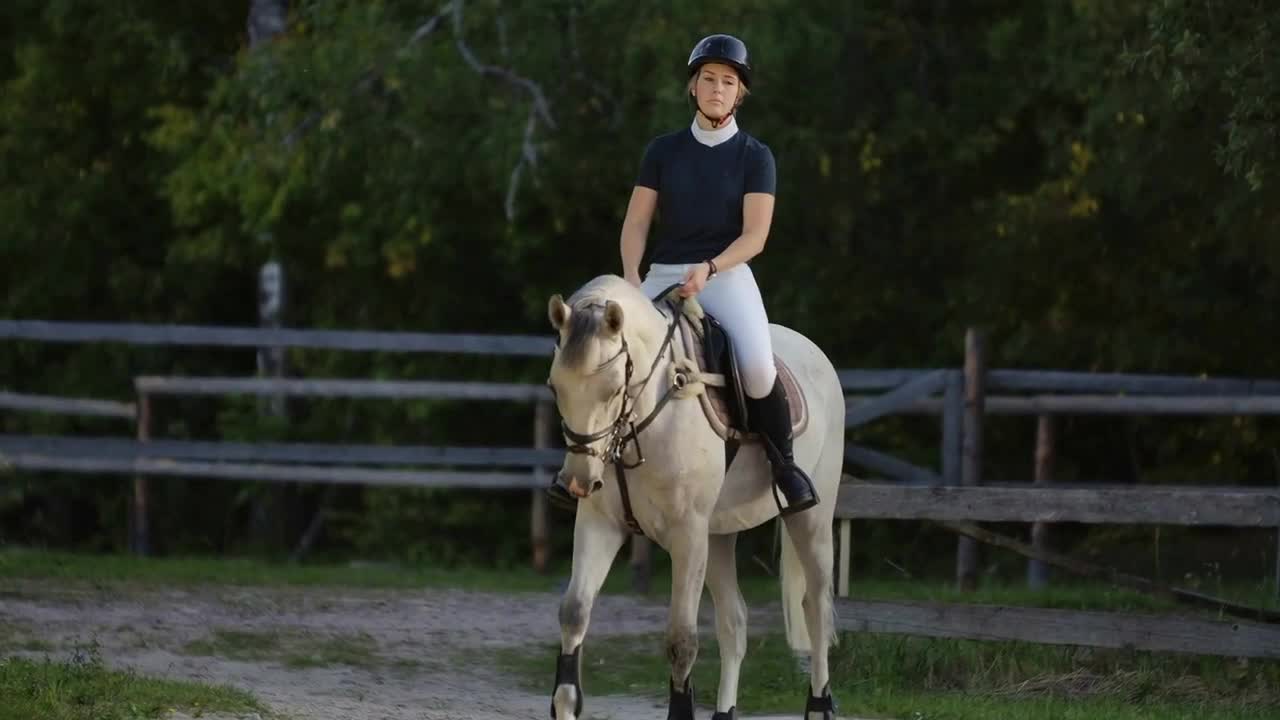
578, 489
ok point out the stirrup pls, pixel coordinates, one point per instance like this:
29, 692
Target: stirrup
561, 498
779, 466
800, 506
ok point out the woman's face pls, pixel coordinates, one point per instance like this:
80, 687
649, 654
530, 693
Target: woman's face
716, 89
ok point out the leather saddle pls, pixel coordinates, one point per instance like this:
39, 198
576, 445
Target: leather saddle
709, 349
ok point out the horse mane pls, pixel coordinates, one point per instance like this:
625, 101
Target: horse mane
587, 318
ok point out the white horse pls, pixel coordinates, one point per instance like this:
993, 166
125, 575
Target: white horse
645, 455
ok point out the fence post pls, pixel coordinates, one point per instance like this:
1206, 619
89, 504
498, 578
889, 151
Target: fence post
641, 564
952, 427
975, 369
139, 540
538, 521
846, 549
1037, 571
267, 509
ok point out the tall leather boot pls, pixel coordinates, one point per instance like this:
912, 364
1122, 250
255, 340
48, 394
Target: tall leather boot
771, 417
559, 496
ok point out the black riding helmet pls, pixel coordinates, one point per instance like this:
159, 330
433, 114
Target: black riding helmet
725, 49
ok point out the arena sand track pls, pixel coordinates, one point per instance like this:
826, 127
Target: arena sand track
421, 654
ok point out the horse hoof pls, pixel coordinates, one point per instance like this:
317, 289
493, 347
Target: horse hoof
732, 714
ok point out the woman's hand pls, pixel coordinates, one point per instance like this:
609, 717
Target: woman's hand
694, 280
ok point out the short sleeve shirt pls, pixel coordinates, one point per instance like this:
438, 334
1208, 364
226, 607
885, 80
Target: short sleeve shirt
700, 191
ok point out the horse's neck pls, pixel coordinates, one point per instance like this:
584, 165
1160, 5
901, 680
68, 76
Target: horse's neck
657, 383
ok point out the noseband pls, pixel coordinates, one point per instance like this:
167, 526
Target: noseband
624, 430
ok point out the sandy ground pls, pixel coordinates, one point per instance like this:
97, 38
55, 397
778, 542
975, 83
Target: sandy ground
430, 645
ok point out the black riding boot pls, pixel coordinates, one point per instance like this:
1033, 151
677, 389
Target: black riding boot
771, 417
561, 497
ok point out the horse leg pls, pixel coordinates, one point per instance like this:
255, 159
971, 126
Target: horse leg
810, 535
731, 619
688, 548
595, 543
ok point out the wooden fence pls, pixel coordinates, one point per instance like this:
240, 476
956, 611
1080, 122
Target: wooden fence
955, 491
928, 496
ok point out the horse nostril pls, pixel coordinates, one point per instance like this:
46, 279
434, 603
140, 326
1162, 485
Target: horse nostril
597, 485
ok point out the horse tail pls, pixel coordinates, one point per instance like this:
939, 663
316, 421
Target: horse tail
793, 590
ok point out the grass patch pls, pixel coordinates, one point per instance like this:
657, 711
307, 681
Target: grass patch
15, 638
296, 649
107, 570
82, 689
113, 571
904, 677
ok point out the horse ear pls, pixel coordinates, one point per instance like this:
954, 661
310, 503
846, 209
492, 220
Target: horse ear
557, 311
613, 317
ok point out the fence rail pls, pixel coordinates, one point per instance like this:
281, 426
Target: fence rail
272, 473
1119, 630
387, 389
115, 448
67, 406
953, 492
1093, 504
254, 337
1078, 405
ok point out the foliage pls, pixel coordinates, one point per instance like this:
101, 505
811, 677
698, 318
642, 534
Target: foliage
83, 688
1091, 182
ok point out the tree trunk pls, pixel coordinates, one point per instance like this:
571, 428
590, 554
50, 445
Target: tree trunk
267, 531
266, 20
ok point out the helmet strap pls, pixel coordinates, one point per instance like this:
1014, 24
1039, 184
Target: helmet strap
715, 124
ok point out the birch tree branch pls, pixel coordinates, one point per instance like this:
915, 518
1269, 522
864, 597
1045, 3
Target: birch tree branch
534, 90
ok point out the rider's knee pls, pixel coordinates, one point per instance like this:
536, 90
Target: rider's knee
758, 376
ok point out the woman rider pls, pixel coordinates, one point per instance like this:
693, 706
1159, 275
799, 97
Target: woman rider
714, 186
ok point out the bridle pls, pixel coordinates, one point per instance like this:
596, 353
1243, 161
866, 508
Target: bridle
624, 430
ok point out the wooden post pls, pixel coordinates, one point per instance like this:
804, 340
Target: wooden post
139, 540
952, 427
1037, 571
266, 514
641, 564
971, 465
846, 540
271, 293
538, 521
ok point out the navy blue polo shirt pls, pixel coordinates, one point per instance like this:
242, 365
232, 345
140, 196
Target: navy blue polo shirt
700, 191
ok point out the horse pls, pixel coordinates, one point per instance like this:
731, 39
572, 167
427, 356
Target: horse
645, 455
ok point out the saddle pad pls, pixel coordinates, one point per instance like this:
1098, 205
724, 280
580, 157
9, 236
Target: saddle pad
715, 401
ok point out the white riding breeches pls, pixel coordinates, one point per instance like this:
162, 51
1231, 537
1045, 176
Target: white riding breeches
733, 297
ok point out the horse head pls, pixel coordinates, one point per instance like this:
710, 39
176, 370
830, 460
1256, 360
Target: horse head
603, 359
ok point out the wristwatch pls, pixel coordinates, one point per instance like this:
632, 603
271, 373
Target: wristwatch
713, 272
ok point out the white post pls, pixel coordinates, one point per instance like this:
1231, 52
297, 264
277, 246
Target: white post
842, 584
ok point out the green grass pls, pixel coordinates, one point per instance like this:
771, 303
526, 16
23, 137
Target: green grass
901, 677
15, 638
296, 649
111, 571
106, 570
81, 688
